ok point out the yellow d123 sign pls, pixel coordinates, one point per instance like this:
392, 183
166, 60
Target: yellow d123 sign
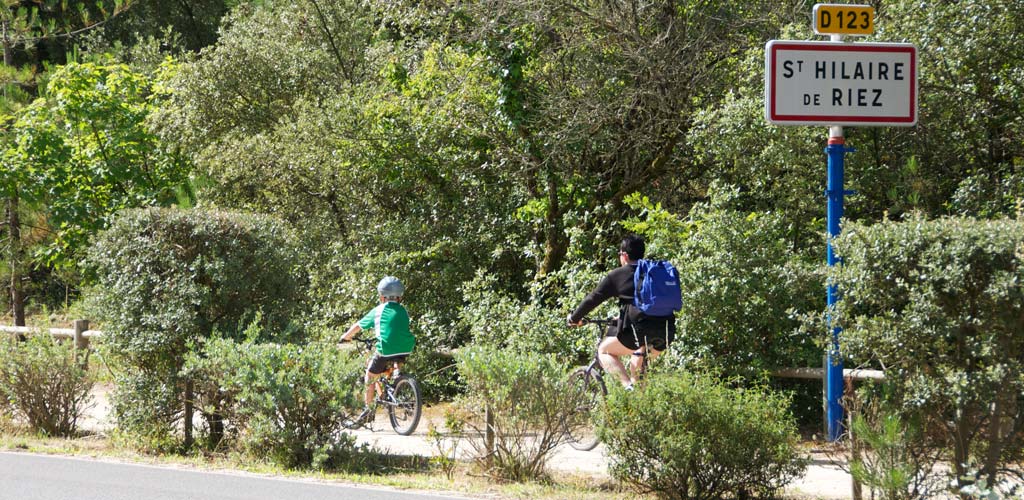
837, 19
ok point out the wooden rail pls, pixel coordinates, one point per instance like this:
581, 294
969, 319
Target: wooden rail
819, 373
80, 332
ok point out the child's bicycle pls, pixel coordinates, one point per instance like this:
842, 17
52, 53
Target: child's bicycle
396, 391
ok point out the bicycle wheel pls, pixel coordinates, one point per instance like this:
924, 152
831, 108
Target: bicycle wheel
405, 405
588, 391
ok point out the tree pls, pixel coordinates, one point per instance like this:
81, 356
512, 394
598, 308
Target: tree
24, 25
84, 152
373, 147
597, 98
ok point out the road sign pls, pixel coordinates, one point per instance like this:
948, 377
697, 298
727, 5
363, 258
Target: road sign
828, 83
837, 19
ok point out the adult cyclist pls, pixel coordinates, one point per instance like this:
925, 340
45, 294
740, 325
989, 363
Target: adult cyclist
631, 334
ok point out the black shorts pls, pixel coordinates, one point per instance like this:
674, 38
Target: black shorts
380, 364
657, 333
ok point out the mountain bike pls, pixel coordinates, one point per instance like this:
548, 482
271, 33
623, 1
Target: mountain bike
586, 384
399, 393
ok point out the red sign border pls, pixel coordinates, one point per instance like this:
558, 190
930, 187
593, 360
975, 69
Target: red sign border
775, 45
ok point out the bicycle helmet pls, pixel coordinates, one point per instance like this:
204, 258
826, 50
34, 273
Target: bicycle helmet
390, 287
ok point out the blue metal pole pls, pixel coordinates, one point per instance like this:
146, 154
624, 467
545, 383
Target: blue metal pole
834, 376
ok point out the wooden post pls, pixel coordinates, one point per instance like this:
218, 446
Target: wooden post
80, 326
489, 434
81, 341
188, 414
856, 489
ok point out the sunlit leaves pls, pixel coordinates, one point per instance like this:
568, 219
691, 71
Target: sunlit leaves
89, 153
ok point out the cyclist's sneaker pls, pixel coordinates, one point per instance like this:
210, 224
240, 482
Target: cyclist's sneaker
629, 388
366, 416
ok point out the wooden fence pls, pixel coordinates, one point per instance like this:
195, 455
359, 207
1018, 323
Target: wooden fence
80, 332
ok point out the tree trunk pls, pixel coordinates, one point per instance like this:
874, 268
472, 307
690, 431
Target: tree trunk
556, 245
14, 261
14, 223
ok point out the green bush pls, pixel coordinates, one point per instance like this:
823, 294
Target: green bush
285, 402
44, 383
165, 278
689, 436
527, 397
940, 305
497, 319
745, 279
436, 372
891, 458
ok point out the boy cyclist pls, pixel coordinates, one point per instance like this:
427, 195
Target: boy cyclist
394, 340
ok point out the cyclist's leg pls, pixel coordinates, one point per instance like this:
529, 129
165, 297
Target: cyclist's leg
608, 352
636, 361
654, 343
376, 367
371, 388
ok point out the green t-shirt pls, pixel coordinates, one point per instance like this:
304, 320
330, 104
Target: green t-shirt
391, 321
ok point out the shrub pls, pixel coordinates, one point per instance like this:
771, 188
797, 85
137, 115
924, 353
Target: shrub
44, 384
891, 458
439, 379
691, 436
165, 278
497, 319
527, 398
286, 402
940, 305
745, 278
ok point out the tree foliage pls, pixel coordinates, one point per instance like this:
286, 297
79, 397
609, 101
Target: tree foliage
84, 151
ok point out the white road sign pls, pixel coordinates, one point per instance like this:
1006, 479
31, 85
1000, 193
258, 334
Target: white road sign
833, 83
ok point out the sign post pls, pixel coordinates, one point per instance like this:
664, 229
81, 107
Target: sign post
837, 84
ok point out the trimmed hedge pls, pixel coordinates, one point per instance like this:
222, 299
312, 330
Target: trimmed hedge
165, 278
940, 305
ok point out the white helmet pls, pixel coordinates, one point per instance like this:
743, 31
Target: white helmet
390, 287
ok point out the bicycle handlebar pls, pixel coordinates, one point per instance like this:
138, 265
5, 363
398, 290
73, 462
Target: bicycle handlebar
599, 322
366, 341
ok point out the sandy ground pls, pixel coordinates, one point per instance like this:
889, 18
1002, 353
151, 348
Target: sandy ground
823, 480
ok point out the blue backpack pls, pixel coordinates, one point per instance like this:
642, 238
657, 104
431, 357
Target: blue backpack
657, 288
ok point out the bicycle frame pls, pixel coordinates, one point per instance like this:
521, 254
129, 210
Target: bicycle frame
386, 389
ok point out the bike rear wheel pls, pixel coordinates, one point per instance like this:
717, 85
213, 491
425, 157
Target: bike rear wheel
405, 405
587, 389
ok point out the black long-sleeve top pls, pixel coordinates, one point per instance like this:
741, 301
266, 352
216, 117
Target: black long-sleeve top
617, 283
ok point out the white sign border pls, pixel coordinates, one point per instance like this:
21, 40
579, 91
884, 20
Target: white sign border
846, 121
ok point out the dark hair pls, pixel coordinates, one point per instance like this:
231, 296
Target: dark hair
634, 247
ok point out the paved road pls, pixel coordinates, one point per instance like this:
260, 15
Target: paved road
25, 476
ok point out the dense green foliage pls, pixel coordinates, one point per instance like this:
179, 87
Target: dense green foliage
492, 154
744, 281
44, 383
84, 151
940, 305
166, 278
691, 436
285, 402
527, 399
